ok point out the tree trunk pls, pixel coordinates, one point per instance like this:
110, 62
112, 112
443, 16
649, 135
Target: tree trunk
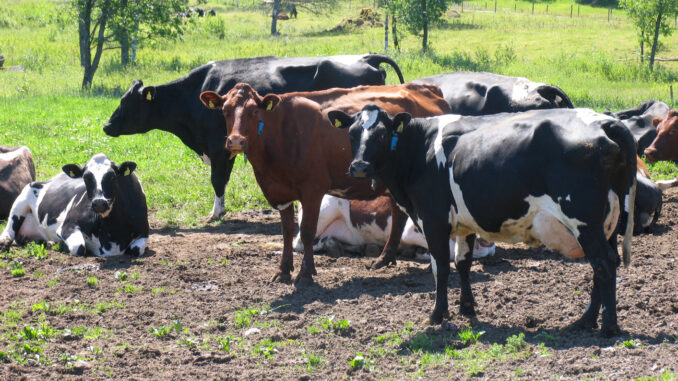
424, 42
91, 64
84, 22
394, 32
642, 46
385, 32
124, 40
656, 38
274, 21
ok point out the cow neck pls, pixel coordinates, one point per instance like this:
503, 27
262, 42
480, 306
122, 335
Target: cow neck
167, 105
257, 142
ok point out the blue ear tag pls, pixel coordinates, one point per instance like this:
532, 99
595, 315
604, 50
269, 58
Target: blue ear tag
261, 127
394, 142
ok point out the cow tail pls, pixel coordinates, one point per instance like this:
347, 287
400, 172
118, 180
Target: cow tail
627, 145
376, 59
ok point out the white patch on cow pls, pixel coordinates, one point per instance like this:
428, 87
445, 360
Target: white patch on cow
568, 198
666, 184
94, 246
62, 217
218, 209
99, 164
612, 217
369, 118
434, 270
522, 88
284, 206
589, 116
461, 249
139, 243
346, 59
11, 155
544, 222
205, 159
75, 241
413, 237
438, 142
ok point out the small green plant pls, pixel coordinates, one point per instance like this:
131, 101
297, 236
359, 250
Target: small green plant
121, 276
157, 290
16, 268
630, 344
92, 281
136, 275
54, 281
224, 262
357, 362
469, 336
516, 343
312, 361
38, 274
542, 350
128, 288
244, 318
160, 332
225, 343
266, 348
36, 250
101, 307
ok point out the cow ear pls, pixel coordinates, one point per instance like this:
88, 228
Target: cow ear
269, 102
656, 121
400, 121
211, 100
126, 168
340, 119
72, 170
148, 93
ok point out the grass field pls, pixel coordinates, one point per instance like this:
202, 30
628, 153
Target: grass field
42, 106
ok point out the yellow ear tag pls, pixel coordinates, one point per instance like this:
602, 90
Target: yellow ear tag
72, 174
270, 106
337, 123
127, 172
211, 104
149, 96
400, 128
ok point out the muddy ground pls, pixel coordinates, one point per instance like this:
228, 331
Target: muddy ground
236, 324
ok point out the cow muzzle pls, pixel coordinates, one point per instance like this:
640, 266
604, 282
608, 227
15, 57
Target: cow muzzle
360, 169
236, 144
651, 154
101, 206
110, 131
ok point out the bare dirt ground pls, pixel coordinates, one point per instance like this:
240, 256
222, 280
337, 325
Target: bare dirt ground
236, 324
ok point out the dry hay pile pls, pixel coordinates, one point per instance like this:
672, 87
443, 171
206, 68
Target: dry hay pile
366, 18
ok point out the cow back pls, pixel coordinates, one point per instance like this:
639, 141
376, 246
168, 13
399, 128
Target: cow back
16, 171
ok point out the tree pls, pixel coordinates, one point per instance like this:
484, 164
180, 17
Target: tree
108, 24
650, 18
419, 15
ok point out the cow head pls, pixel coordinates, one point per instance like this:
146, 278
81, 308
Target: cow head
371, 133
132, 116
101, 177
243, 110
665, 145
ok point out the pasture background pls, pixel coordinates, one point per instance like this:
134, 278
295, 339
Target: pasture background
593, 60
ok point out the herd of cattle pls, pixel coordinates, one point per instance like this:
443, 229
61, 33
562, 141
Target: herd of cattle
470, 158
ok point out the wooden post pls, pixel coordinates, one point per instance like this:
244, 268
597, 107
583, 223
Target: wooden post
486, 5
515, 7
462, 7
495, 6
532, 8
578, 9
571, 8
547, 9
671, 95
385, 32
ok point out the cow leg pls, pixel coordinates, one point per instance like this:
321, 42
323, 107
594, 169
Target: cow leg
220, 173
75, 243
388, 255
137, 247
604, 259
437, 238
307, 229
284, 273
463, 259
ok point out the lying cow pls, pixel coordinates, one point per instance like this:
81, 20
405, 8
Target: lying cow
481, 93
297, 155
16, 170
175, 107
559, 178
356, 223
99, 209
639, 121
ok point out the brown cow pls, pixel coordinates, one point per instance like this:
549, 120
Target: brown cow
16, 170
665, 145
296, 154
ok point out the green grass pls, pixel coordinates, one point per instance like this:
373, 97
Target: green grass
42, 107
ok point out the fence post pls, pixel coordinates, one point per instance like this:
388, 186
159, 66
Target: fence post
462, 7
532, 8
495, 6
571, 7
671, 95
578, 9
547, 9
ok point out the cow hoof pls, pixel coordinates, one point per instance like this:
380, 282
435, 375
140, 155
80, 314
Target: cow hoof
5, 244
303, 280
583, 325
467, 309
282, 277
437, 318
379, 263
215, 217
611, 330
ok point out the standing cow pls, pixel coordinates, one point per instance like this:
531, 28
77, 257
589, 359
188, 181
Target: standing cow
98, 209
297, 155
559, 178
665, 146
470, 93
175, 107
16, 170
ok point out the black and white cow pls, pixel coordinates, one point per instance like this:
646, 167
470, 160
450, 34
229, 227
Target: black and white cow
639, 121
482, 93
559, 178
98, 209
175, 106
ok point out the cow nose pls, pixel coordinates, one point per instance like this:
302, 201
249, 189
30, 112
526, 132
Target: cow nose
236, 143
108, 130
650, 153
358, 169
100, 205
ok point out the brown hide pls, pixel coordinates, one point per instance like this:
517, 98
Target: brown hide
16, 170
665, 145
641, 167
298, 155
366, 212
